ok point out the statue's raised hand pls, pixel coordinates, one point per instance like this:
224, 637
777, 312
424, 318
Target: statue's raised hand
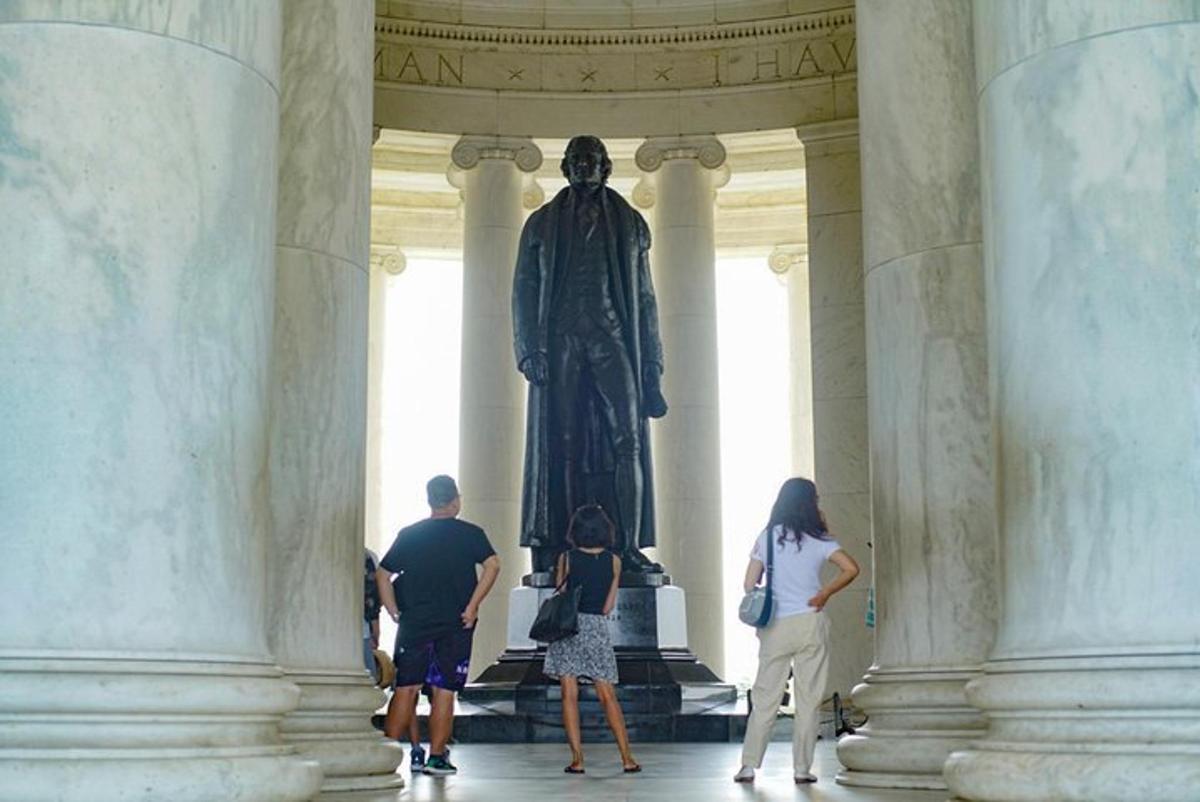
535, 369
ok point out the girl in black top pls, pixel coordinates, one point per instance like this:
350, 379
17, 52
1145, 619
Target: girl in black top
588, 654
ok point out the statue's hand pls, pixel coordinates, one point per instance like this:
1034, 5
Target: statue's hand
653, 403
536, 369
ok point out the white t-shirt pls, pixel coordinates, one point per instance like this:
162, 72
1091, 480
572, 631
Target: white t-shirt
797, 573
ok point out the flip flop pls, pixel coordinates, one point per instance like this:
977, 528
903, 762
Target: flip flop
634, 769
573, 770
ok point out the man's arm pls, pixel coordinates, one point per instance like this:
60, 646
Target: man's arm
383, 581
491, 570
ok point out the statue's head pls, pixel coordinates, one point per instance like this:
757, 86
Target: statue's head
586, 162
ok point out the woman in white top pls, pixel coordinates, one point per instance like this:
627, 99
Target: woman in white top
797, 636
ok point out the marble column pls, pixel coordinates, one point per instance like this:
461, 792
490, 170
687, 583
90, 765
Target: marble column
492, 412
931, 479
839, 380
318, 394
686, 443
1089, 124
790, 261
384, 265
135, 324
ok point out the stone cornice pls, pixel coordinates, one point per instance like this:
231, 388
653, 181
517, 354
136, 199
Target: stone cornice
435, 34
464, 58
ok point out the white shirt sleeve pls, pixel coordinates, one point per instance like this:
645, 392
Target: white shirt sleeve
830, 547
756, 552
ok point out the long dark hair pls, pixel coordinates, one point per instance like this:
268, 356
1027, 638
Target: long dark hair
795, 509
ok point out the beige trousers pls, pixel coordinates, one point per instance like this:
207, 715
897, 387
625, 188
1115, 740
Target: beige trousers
801, 643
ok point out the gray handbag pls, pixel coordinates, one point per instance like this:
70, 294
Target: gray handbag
759, 603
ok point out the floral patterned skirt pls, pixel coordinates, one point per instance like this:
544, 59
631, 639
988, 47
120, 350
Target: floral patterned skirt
588, 654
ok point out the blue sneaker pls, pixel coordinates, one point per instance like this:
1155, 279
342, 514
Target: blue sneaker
416, 758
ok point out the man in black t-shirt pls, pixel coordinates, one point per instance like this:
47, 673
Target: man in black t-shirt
437, 603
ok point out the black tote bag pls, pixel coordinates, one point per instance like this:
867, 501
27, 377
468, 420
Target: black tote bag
558, 617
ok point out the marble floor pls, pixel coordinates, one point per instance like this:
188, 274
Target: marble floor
671, 773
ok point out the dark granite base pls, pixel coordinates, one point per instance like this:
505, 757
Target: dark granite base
666, 695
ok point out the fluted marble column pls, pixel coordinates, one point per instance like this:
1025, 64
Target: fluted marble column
135, 322
492, 412
1091, 174
931, 479
791, 262
687, 455
318, 403
839, 380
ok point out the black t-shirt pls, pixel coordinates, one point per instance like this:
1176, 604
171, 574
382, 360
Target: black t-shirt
434, 561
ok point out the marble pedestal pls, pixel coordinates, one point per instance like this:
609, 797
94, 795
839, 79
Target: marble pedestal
658, 672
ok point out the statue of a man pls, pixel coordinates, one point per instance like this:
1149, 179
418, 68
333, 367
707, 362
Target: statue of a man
585, 326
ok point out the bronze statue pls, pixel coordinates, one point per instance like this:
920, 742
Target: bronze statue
585, 326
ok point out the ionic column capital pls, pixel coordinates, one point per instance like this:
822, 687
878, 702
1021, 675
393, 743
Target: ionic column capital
533, 194
388, 258
645, 192
705, 149
471, 149
786, 256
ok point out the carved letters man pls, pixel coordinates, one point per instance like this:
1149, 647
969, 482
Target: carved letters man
586, 331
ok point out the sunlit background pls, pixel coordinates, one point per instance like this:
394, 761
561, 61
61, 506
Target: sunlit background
420, 402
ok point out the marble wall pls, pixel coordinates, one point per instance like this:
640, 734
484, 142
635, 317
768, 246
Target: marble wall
137, 189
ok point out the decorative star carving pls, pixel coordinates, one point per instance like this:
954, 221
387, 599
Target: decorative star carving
663, 73
587, 75
517, 74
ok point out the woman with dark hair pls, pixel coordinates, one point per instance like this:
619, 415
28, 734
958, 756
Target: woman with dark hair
588, 655
797, 636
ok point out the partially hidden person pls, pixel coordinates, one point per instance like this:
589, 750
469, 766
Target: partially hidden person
437, 592
587, 656
797, 636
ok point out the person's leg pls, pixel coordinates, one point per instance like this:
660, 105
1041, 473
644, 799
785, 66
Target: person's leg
616, 721
570, 717
441, 721
414, 725
811, 665
774, 659
400, 711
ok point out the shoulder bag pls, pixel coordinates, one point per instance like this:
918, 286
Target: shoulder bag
758, 604
558, 617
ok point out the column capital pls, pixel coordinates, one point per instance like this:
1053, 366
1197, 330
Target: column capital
645, 192
470, 149
706, 149
786, 256
533, 194
388, 258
